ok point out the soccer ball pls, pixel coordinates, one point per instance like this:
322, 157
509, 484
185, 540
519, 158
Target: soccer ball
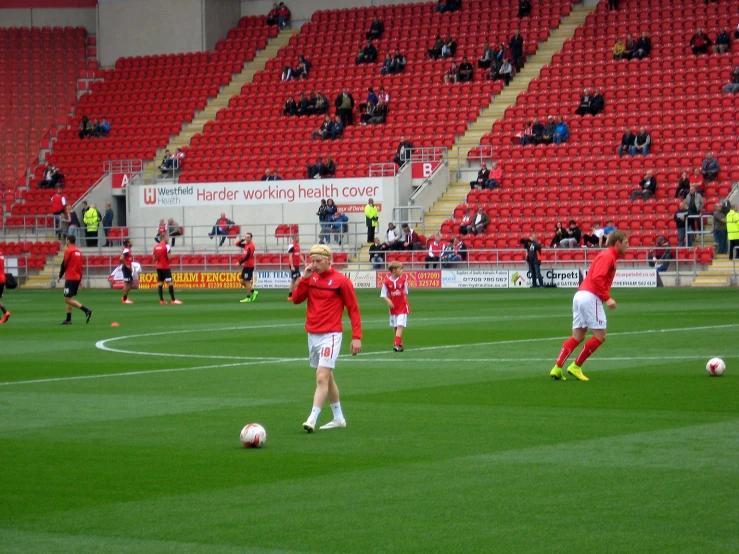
253, 436
715, 367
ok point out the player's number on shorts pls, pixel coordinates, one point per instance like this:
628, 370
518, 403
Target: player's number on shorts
326, 353
66, 290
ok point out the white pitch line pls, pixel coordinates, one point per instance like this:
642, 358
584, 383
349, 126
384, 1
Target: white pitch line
399, 358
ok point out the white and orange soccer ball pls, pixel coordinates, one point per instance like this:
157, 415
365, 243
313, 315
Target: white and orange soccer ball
253, 435
715, 367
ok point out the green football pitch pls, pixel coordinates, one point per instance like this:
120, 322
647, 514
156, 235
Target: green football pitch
126, 439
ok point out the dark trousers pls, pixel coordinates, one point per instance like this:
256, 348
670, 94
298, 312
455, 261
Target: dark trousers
535, 273
733, 245
431, 261
92, 238
370, 233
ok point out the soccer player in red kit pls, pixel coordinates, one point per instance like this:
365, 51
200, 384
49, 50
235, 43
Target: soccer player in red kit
127, 268
293, 252
163, 255
328, 292
72, 267
6, 313
587, 307
395, 293
247, 271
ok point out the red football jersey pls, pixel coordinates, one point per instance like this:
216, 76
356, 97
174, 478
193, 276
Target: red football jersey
2, 269
600, 276
397, 291
72, 264
127, 256
294, 252
328, 293
161, 254
249, 255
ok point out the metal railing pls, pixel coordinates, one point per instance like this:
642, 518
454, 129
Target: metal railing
383, 170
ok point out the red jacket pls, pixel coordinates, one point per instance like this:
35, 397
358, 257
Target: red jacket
600, 276
328, 293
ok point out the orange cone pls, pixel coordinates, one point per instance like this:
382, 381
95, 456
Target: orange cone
114, 324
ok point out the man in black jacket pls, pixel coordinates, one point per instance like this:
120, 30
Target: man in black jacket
376, 29
643, 47
586, 103
533, 259
482, 176
627, 141
404, 152
516, 46
647, 187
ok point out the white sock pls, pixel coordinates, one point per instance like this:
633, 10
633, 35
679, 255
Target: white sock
336, 409
314, 413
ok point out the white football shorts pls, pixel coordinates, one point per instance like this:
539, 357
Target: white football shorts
400, 320
587, 311
323, 349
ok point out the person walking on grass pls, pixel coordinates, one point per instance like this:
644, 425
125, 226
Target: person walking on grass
587, 307
395, 293
72, 268
6, 313
247, 270
328, 292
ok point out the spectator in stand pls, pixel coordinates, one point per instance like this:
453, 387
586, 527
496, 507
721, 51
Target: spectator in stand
533, 260
482, 177
572, 236
337, 128
524, 8
642, 142
83, 211
288, 73
324, 131
383, 95
303, 105
487, 58
448, 255
435, 50
537, 131
695, 204
559, 234
85, 127
452, 74
52, 177
321, 106
549, 130
371, 99
290, 107
683, 185
340, 227
435, 248
586, 103
599, 103
612, 4
526, 137
643, 47
597, 236
368, 54
411, 239
661, 255
719, 229
165, 158
107, 221
325, 214
371, 218
449, 50
723, 42
681, 219
393, 239
733, 86
619, 49
504, 72
561, 131
73, 222
272, 15
736, 33
92, 222
516, 46
443, 6
480, 222
283, 15
379, 114
460, 249
609, 228
344, 106
314, 170
466, 71
627, 142
710, 168
647, 187
403, 154
732, 230
303, 68
173, 163
465, 226
161, 230
329, 168
700, 42
495, 177
630, 47
376, 29
221, 228
697, 179
387, 65
58, 207
395, 65
268, 176
104, 128
173, 229
377, 255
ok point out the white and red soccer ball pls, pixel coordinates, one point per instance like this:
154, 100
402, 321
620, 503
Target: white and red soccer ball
253, 435
715, 367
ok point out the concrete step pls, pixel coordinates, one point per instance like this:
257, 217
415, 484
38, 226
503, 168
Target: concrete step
718, 281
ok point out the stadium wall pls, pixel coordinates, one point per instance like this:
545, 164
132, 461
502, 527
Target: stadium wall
50, 17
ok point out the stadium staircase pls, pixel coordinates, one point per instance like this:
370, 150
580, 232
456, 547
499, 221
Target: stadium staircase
718, 274
196, 126
458, 156
43, 278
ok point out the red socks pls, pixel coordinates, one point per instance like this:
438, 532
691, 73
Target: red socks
397, 340
587, 350
567, 348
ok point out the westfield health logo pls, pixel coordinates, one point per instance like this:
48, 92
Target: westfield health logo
150, 195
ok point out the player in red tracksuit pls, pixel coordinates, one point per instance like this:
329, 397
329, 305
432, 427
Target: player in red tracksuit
162, 254
587, 307
328, 292
72, 268
6, 313
247, 271
395, 293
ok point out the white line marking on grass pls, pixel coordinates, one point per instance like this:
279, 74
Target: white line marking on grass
399, 358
